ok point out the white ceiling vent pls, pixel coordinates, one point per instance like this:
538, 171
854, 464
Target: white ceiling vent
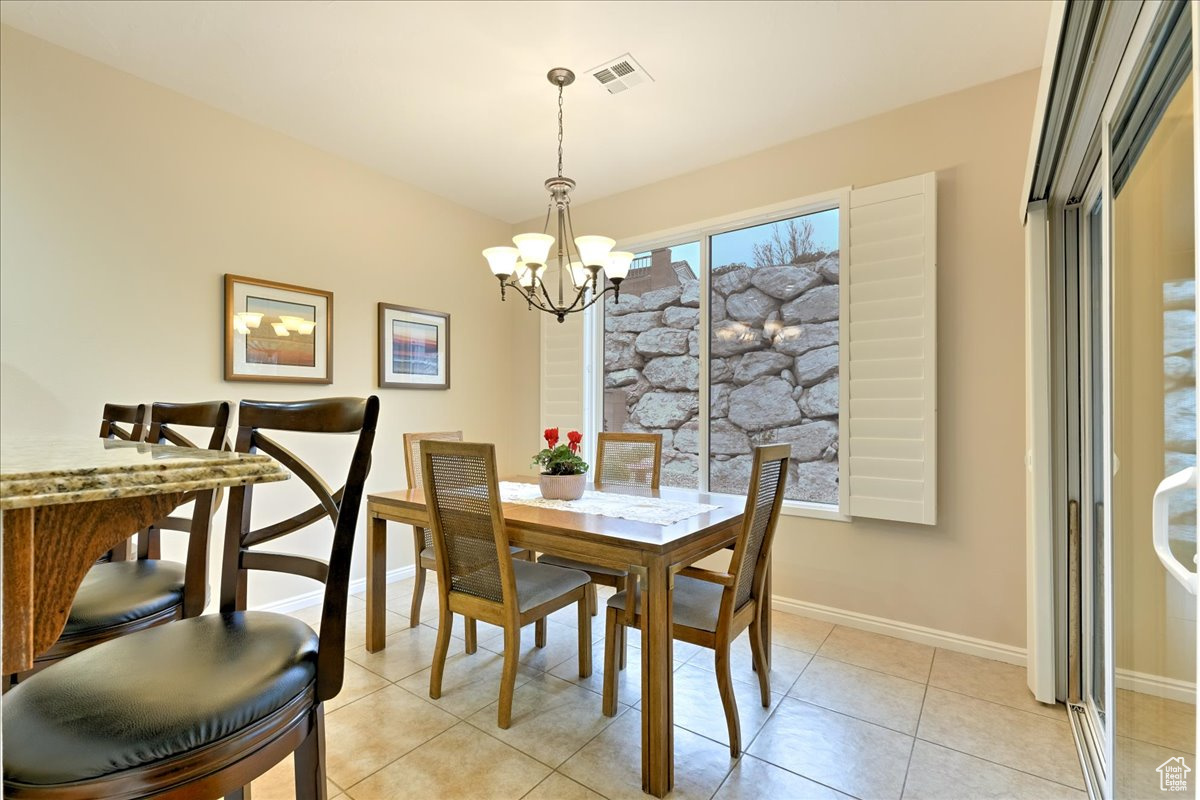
620, 74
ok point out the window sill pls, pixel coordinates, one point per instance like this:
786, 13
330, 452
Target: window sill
797, 508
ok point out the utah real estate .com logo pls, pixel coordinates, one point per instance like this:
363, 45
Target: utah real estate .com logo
1172, 775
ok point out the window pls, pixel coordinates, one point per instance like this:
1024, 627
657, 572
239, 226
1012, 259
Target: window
773, 353
652, 357
811, 323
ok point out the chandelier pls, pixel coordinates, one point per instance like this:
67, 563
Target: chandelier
579, 267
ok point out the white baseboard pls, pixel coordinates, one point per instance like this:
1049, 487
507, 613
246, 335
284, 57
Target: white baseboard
297, 602
904, 630
1157, 685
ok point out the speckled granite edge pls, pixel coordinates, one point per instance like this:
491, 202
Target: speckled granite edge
49, 490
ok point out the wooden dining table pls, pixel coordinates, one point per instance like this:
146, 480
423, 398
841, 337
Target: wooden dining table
67, 501
651, 553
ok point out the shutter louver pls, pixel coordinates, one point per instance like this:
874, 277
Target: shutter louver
563, 373
891, 334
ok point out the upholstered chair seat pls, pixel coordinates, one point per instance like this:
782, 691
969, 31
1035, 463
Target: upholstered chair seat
695, 603
122, 592
591, 569
215, 676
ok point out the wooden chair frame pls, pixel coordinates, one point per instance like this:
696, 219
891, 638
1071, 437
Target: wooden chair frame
423, 565
227, 766
114, 416
506, 614
618, 582
730, 621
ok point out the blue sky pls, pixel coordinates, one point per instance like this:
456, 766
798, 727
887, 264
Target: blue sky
738, 246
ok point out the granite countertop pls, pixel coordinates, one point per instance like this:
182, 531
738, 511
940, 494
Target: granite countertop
42, 472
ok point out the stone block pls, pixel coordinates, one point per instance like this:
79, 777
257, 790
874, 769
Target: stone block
665, 409
753, 366
627, 304
731, 280
799, 339
658, 299
719, 399
690, 296
816, 365
619, 352
661, 342
681, 317
751, 307
809, 442
785, 282
830, 267
814, 482
765, 403
731, 338
817, 305
637, 322
621, 377
676, 373
821, 400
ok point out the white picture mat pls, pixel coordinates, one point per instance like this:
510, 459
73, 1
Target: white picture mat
243, 367
392, 315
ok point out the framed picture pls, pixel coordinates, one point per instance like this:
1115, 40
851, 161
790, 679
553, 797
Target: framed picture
277, 332
414, 348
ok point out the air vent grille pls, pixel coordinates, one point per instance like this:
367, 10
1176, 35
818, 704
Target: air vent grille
620, 74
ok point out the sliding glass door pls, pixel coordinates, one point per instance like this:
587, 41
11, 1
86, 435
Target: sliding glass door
1134, 519
1153, 429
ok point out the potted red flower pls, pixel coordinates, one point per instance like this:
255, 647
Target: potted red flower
563, 471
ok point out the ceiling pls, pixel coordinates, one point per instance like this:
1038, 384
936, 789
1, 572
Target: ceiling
452, 96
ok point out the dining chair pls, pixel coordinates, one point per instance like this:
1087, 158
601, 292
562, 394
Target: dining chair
202, 706
423, 537
119, 597
622, 459
710, 608
114, 416
477, 575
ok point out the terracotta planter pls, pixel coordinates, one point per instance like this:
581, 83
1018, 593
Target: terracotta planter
562, 487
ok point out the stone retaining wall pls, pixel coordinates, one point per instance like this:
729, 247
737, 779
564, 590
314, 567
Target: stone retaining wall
774, 373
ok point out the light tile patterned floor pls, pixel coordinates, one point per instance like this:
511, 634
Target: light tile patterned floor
852, 714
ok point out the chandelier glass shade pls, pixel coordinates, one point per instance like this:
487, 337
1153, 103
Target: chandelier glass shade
580, 260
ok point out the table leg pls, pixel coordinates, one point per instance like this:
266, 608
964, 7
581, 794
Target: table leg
17, 531
658, 723
376, 583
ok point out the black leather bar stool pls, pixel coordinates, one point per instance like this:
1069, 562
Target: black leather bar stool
201, 707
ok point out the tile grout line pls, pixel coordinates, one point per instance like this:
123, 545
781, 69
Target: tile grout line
1001, 705
913, 747
1002, 766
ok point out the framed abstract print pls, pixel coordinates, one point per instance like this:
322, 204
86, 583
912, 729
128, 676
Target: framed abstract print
414, 348
277, 332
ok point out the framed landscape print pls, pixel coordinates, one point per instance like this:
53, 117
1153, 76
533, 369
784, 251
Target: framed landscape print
277, 332
414, 348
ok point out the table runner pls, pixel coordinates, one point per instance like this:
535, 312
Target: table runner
638, 508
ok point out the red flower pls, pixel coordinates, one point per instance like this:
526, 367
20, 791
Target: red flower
575, 437
551, 436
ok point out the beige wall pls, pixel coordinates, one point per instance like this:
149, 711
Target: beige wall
124, 203
966, 574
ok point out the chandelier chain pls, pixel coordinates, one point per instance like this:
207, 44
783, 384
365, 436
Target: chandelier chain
560, 128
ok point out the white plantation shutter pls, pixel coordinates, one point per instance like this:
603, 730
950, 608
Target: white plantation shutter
889, 326
565, 375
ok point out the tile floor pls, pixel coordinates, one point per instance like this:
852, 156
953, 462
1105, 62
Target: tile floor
852, 714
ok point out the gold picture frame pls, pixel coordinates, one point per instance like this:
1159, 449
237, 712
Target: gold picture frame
277, 332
